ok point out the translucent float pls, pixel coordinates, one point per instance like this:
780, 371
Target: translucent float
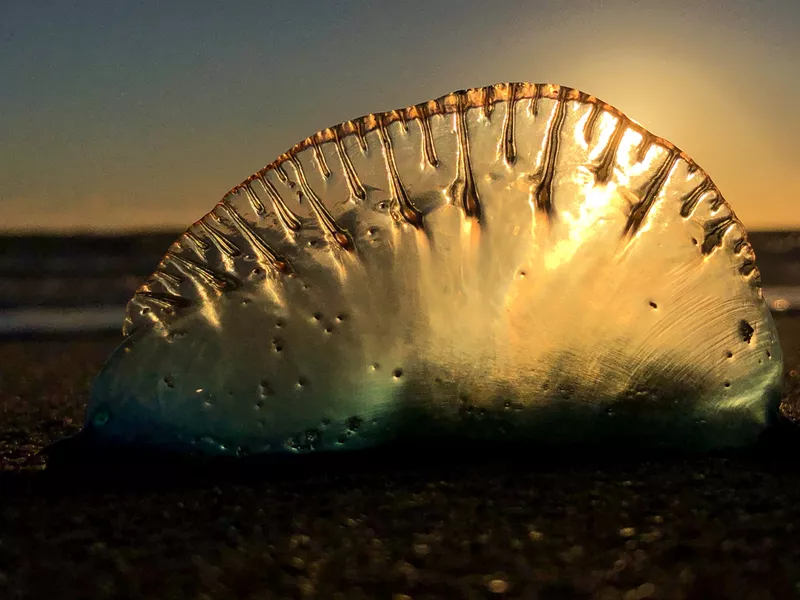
519, 262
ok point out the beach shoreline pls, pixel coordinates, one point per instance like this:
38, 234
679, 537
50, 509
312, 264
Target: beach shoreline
692, 527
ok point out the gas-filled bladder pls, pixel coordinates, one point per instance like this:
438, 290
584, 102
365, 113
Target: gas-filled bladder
517, 262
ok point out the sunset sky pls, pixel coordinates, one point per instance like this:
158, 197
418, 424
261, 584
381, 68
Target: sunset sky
132, 115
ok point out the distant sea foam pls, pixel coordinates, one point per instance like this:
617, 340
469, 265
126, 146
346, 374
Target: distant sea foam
53, 284
783, 298
99, 319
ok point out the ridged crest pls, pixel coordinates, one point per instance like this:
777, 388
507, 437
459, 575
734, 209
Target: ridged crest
520, 261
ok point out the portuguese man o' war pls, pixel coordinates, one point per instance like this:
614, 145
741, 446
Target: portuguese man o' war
516, 262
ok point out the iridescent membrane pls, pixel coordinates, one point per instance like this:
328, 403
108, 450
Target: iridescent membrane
517, 262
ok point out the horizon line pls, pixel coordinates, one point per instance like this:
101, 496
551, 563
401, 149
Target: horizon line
138, 231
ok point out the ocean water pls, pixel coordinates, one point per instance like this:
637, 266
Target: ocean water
81, 284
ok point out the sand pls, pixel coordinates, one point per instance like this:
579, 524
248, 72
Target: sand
702, 527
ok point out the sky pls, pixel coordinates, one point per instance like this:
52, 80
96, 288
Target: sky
138, 115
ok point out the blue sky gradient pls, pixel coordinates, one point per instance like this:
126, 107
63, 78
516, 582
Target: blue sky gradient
131, 115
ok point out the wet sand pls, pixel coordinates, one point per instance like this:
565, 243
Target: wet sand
703, 527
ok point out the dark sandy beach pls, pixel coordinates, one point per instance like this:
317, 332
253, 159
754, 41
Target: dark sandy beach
680, 528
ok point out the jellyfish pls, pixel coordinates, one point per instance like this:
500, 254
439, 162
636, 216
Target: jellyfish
518, 262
